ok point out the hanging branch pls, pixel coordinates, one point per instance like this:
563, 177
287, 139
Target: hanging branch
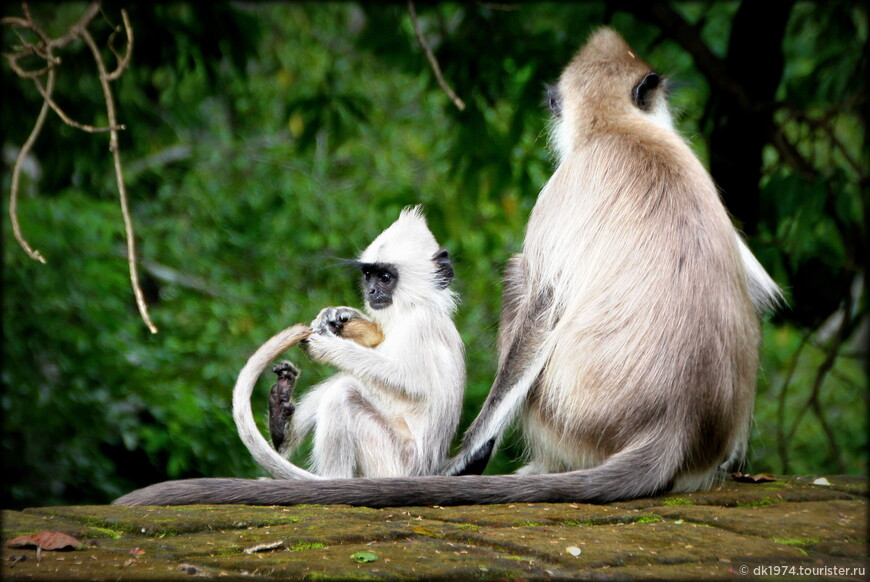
46, 95
16, 175
105, 77
844, 332
44, 49
433, 62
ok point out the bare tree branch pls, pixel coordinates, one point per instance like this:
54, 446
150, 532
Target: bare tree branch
119, 176
66, 118
44, 49
847, 327
781, 440
125, 60
433, 62
76, 29
16, 175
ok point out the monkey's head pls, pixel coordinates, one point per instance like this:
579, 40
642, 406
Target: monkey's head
404, 267
605, 82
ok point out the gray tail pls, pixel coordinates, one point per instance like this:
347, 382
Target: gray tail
627, 475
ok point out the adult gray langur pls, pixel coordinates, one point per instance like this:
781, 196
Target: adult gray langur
629, 333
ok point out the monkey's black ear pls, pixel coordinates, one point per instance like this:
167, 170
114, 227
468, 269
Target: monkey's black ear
443, 269
554, 99
643, 93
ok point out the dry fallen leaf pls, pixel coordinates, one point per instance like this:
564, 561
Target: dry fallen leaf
46, 540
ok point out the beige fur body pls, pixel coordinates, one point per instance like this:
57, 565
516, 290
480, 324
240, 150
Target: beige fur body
657, 335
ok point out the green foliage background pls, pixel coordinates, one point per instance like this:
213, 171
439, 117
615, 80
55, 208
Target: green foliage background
264, 141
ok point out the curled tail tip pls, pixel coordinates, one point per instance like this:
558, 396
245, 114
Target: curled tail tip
473, 463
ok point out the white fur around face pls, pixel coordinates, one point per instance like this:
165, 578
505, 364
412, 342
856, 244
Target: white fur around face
659, 114
410, 247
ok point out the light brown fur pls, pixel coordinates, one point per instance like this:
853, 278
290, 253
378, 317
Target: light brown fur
366, 333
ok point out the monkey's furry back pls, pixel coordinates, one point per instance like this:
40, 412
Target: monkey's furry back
656, 337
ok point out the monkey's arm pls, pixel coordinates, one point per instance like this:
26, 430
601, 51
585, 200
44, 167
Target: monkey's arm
522, 353
367, 364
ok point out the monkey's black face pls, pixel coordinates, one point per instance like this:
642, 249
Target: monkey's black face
379, 284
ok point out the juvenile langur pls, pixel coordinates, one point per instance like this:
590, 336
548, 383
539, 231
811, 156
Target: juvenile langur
628, 340
394, 407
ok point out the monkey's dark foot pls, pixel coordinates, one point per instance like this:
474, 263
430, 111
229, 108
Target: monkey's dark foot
286, 370
477, 462
281, 405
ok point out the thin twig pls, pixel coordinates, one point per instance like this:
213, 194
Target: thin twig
13, 63
433, 62
15, 21
782, 443
66, 118
847, 327
76, 29
125, 60
37, 30
43, 49
119, 176
16, 175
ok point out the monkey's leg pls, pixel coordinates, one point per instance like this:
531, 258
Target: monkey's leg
352, 438
380, 450
525, 323
333, 452
281, 406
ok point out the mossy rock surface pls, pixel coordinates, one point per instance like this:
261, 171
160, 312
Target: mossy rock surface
716, 534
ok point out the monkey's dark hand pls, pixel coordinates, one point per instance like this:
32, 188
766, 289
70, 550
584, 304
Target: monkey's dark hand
331, 320
281, 406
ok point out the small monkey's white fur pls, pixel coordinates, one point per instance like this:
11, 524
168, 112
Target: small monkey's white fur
393, 409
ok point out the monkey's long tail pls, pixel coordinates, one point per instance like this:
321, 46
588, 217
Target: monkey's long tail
263, 453
627, 475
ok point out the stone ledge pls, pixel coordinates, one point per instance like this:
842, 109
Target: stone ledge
716, 534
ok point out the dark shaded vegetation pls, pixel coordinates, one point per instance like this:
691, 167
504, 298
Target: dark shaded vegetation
265, 141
